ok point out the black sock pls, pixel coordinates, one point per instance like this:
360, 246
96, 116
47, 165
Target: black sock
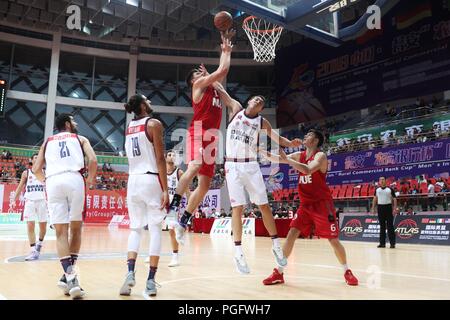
32, 245
185, 217
274, 236
66, 263
237, 243
175, 251
152, 272
41, 239
74, 258
175, 201
131, 264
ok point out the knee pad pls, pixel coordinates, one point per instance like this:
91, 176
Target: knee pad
155, 240
134, 240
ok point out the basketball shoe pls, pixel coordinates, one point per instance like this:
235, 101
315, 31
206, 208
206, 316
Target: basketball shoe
129, 283
241, 264
34, 255
174, 262
274, 278
150, 289
350, 278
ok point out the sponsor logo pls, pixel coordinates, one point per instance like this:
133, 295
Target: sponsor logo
406, 229
352, 228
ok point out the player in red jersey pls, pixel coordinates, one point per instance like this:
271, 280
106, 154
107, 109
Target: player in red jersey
316, 203
202, 138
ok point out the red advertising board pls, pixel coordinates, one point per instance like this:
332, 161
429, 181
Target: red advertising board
9, 191
101, 205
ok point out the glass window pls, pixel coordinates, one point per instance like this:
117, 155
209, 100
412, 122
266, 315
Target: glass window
24, 122
5, 60
75, 75
31, 69
104, 128
111, 80
158, 81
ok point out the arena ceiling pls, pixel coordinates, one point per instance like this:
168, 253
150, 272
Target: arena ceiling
172, 23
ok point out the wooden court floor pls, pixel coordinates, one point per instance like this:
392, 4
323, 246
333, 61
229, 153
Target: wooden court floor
207, 270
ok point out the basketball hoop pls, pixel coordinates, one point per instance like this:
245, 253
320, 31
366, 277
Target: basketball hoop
264, 36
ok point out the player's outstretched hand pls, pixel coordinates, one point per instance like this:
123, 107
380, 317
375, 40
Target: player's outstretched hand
226, 46
203, 70
164, 200
296, 143
228, 34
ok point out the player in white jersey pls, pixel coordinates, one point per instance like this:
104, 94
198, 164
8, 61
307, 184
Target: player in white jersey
242, 170
173, 176
35, 209
147, 193
63, 156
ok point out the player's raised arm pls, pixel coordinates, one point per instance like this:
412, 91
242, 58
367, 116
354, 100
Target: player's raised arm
156, 132
274, 136
39, 164
92, 160
222, 70
316, 164
228, 101
277, 158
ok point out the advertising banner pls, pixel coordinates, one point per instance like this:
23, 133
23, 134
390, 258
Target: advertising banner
418, 229
429, 229
411, 160
360, 228
403, 161
102, 205
407, 57
221, 226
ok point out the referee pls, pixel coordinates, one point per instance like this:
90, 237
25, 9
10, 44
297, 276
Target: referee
386, 203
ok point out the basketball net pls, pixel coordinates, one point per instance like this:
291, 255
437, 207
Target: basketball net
264, 36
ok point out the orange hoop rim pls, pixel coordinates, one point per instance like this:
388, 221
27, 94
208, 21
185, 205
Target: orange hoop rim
246, 27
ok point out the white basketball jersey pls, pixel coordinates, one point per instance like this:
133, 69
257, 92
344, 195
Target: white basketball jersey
172, 182
140, 151
242, 137
34, 189
63, 153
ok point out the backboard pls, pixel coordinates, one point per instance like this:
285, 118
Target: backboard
323, 20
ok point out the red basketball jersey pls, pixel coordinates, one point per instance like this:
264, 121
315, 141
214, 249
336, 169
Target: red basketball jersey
208, 110
312, 187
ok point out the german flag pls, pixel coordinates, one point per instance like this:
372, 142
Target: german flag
413, 15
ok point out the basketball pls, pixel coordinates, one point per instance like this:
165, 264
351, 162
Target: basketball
223, 21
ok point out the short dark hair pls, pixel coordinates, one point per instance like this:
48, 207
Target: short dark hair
189, 77
60, 121
382, 177
134, 104
33, 155
319, 135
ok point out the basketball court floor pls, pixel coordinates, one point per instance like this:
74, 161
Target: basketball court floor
207, 270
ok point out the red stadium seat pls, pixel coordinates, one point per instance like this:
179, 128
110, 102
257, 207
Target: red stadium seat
364, 190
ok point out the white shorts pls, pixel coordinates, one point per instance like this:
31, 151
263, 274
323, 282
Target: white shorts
144, 194
65, 197
35, 210
243, 176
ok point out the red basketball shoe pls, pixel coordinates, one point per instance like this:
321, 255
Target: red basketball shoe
274, 278
350, 278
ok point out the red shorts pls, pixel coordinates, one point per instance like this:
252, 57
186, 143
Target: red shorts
316, 214
202, 150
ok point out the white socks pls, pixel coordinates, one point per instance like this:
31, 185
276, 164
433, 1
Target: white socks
238, 250
344, 267
276, 242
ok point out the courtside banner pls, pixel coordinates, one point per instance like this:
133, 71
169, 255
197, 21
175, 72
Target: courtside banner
221, 226
360, 228
423, 229
9, 192
101, 206
248, 226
